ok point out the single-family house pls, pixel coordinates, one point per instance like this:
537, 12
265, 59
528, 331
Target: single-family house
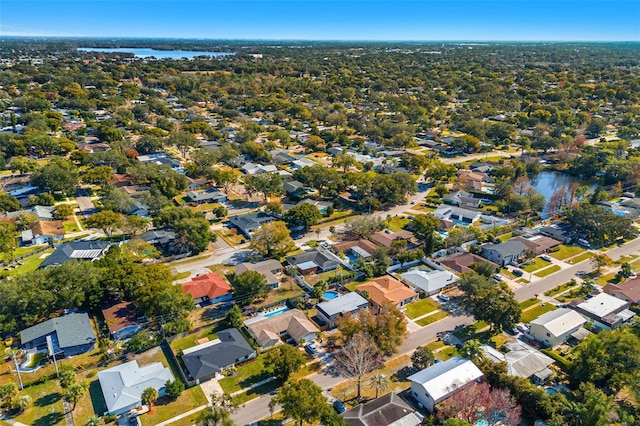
388, 410
462, 199
322, 206
331, 310
122, 385
45, 231
249, 222
162, 159
121, 319
555, 327
269, 268
522, 361
538, 244
558, 231
301, 163
208, 288
317, 259
628, 291
429, 282
438, 382
85, 250
606, 311
357, 249
457, 215
504, 253
476, 181
462, 262
70, 334
206, 197
291, 325
387, 289
294, 189
162, 239
206, 360
196, 183
386, 238
252, 168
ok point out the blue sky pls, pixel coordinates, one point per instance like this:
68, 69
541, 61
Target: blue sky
522, 20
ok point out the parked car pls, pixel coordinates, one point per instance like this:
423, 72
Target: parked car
310, 349
518, 272
521, 328
498, 277
444, 297
545, 257
339, 406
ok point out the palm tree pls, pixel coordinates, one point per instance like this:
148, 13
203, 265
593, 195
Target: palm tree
472, 349
149, 396
94, 421
24, 401
379, 382
74, 394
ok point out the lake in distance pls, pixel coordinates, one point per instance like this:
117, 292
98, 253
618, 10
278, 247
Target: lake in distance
158, 54
547, 182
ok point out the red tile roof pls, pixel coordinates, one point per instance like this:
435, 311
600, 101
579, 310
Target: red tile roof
210, 285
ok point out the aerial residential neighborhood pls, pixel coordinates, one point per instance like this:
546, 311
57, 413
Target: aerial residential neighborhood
339, 234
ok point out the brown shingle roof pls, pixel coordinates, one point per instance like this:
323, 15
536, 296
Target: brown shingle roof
461, 263
44, 227
119, 316
630, 289
386, 289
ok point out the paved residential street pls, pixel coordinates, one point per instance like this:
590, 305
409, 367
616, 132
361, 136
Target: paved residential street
259, 408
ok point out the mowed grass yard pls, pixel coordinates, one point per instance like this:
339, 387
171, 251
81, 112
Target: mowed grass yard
430, 319
565, 252
579, 258
533, 313
420, 307
536, 263
547, 271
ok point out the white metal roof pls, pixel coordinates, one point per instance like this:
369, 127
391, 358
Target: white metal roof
559, 321
602, 305
429, 281
441, 379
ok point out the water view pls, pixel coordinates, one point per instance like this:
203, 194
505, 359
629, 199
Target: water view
158, 54
548, 182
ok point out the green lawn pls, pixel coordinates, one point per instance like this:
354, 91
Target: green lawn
561, 288
547, 271
534, 313
636, 265
607, 279
436, 344
20, 251
536, 263
248, 374
70, 226
432, 318
565, 252
398, 223
189, 341
29, 264
420, 307
166, 408
507, 273
352, 286
579, 258
46, 406
627, 259
181, 276
505, 237
528, 302
446, 353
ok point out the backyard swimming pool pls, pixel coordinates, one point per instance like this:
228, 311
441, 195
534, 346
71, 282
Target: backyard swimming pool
274, 312
330, 294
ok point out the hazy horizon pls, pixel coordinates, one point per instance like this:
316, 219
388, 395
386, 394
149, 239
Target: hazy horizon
315, 20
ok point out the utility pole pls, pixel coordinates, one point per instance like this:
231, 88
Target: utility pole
15, 362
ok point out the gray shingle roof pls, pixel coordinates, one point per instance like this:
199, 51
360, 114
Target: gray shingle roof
507, 248
386, 410
211, 359
90, 250
72, 330
346, 303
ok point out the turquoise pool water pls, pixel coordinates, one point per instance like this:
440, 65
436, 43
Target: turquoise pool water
330, 294
275, 312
